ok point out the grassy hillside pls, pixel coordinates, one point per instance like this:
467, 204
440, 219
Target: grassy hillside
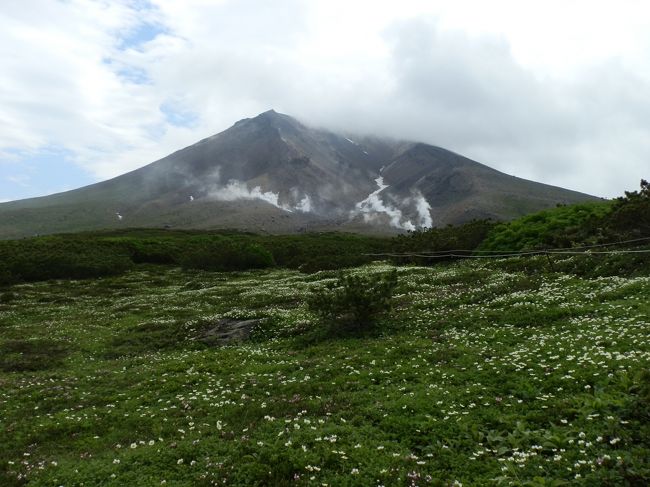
500, 372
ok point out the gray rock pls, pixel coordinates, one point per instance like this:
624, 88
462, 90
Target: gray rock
228, 331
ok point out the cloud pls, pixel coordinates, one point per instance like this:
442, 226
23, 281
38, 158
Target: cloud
120, 84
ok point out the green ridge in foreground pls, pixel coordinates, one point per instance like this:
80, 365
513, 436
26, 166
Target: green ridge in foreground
481, 376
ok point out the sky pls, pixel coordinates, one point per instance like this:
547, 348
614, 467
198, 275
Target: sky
553, 91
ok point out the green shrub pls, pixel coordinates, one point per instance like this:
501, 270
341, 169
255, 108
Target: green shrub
157, 250
323, 251
226, 255
641, 391
467, 237
43, 265
630, 217
59, 258
624, 218
354, 303
564, 226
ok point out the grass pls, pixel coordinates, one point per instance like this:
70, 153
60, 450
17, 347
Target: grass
484, 374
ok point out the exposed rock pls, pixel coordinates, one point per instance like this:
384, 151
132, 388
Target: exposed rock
228, 331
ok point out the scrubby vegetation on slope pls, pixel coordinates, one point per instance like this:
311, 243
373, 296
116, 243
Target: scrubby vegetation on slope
95, 254
625, 218
104, 253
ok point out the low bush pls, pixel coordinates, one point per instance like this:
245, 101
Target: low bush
226, 255
353, 303
59, 258
6, 278
150, 250
624, 218
630, 217
465, 237
323, 251
331, 262
564, 226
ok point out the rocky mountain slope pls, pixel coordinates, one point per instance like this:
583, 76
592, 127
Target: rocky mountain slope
272, 173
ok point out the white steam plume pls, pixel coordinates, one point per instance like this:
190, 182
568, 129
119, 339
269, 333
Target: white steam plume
238, 190
423, 208
373, 205
304, 204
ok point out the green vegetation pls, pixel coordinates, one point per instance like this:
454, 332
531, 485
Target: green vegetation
564, 226
482, 373
462, 237
58, 257
353, 303
522, 371
31, 354
96, 254
624, 218
631, 213
227, 255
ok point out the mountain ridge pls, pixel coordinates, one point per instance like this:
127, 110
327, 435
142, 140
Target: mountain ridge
273, 173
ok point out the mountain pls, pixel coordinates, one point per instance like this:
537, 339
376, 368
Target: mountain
272, 173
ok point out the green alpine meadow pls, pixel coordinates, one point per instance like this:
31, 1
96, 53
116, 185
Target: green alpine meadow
199, 358
324, 243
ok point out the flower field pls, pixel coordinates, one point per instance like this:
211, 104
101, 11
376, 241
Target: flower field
483, 374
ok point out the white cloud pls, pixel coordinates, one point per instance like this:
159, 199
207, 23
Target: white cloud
553, 91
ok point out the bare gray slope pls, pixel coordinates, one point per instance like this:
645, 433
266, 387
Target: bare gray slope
459, 189
272, 173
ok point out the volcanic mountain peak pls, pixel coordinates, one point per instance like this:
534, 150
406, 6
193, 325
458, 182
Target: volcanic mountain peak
268, 119
273, 173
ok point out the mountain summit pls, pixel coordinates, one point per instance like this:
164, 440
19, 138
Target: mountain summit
272, 173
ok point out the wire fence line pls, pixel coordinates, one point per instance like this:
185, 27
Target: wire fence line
621, 242
498, 254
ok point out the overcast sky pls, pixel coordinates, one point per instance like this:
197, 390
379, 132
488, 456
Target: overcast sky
554, 91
